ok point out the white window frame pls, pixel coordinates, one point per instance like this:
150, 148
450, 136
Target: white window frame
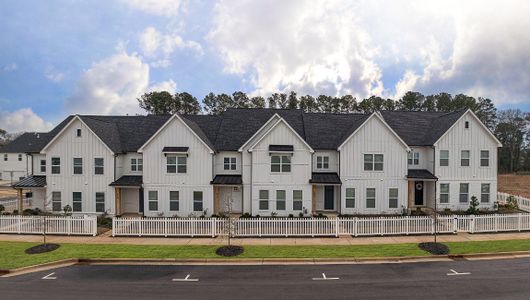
463, 193
445, 193
322, 162
174, 200
55, 168
484, 194
350, 198
230, 163
445, 159
42, 166
198, 203
392, 198
413, 158
262, 199
180, 164
99, 167
463, 159
152, 200
374, 198
100, 201
56, 200
371, 162
77, 202
74, 165
281, 202
284, 164
137, 164
485, 159
298, 202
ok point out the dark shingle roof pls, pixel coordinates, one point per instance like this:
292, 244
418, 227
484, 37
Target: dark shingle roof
227, 179
128, 180
325, 178
420, 174
31, 181
230, 130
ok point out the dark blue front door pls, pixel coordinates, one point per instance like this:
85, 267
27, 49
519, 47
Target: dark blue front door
141, 197
328, 198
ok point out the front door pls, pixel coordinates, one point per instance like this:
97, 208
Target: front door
418, 193
328, 198
141, 198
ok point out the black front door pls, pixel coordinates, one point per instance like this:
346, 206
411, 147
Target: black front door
328, 198
141, 197
418, 192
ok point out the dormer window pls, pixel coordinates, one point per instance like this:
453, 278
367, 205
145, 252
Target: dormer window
78, 132
466, 124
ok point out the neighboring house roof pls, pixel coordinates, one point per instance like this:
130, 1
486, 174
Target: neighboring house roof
227, 179
420, 174
31, 181
234, 127
325, 178
128, 180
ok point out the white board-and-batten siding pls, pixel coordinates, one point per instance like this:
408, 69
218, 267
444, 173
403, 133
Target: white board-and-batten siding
475, 138
68, 146
373, 138
197, 178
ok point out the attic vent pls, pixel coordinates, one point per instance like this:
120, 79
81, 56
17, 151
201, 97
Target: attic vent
466, 124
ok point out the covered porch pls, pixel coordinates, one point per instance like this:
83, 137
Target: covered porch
128, 196
325, 192
31, 193
228, 194
421, 189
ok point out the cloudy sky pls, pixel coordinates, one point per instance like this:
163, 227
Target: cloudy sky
95, 57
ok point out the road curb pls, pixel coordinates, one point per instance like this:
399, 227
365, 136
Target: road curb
39, 267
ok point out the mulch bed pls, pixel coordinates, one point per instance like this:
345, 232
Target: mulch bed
434, 248
42, 248
229, 251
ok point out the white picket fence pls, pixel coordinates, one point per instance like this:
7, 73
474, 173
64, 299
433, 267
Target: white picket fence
524, 203
311, 227
59, 225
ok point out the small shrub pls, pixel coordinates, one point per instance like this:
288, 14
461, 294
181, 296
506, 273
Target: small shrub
301, 215
30, 212
511, 203
274, 214
290, 216
246, 215
67, 210
473, 206
15, 212
2, 209
104, 221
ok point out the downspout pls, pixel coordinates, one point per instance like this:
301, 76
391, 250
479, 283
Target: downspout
27, 167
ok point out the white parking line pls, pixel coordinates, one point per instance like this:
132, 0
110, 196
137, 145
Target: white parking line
453, 272
49, 276
326, 278
185, 279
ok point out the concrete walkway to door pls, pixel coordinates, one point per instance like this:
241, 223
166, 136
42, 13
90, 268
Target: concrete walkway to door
106, 238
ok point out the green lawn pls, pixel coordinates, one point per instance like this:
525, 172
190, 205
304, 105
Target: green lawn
13, 256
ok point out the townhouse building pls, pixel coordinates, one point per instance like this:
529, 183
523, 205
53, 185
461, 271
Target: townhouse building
262, 162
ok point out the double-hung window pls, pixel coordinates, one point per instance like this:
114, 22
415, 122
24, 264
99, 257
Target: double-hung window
20, 157
136, 164
56, 201
444, 158
56, 165
485, 193
280, 163
280, 200
99, 167
197, 201
465, 158
176, 164
323, 162
413, 158
444, 193
78, 165
370, 198
484, 158
373, 162
77, 201
263, 199
350, 198
43, 166
464, 193
100, 202
297, 200
393, 195
229, 163
153, 200
174, 200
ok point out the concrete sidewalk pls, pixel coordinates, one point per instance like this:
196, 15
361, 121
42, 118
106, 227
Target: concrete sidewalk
106, 238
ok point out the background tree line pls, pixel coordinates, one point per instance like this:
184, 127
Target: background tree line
510, 126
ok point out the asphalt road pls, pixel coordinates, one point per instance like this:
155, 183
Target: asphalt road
488, 279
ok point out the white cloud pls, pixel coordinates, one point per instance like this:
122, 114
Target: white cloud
159, 47
168, 86
10, 67
112, 86
54, 75
23, 119
167, 8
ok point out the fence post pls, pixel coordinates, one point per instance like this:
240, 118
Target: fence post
114, 226
432, 225
355, 226
140, 226
381, 226
455, 224
212, 220
95, 225
496, 223
519, 222
69, 224
259, 227
165, 226
336, 227
19, 224
312, 220
407, 221
472, 224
